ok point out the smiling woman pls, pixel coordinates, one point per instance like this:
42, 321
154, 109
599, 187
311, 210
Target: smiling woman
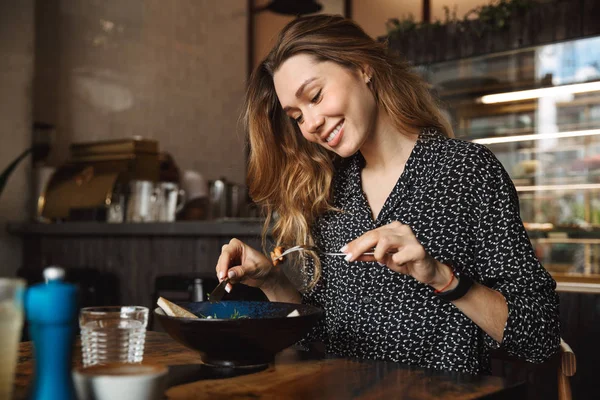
349, 149
327, 70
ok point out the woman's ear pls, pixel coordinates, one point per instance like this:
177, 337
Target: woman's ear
367, 74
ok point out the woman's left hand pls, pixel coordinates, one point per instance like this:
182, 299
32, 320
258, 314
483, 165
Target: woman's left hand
397, 247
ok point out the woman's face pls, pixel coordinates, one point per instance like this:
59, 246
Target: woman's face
332, 105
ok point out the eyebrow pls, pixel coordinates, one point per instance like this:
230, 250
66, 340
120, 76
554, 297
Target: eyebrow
299, 91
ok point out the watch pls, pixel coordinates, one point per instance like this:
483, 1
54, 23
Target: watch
464, 284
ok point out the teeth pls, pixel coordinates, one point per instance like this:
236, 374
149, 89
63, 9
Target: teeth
335, 132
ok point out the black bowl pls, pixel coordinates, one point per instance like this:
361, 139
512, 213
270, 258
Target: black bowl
262, 330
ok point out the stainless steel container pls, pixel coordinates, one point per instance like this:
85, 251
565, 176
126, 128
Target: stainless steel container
227, 200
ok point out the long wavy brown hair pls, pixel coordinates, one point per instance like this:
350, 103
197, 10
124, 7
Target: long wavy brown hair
290, 176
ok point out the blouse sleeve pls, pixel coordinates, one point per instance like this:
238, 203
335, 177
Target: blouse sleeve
506, 262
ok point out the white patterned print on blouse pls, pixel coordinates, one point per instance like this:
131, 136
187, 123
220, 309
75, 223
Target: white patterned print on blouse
463, 209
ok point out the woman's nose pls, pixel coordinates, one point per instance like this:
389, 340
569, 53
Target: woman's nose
314, 123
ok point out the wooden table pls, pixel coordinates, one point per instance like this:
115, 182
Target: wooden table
297, 375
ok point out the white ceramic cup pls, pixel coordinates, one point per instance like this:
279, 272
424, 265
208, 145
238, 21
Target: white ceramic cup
121, 381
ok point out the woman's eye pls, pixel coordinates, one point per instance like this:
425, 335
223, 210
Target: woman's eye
298, 119
317, 97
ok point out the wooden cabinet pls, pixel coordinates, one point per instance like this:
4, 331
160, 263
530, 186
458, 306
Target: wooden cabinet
128, 257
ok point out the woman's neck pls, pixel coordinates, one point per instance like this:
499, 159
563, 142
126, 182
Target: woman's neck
387, 148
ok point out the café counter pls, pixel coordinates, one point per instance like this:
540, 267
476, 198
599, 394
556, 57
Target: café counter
129, 256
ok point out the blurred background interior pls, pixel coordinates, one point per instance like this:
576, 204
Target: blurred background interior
121, 121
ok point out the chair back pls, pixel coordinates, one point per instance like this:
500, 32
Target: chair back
566, 369
546, 381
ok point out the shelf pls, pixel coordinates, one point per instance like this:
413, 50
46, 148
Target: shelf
594, 241
561, 149
586, 101
501, 139
511, 135
484, 88
563, 188
473, 88
564, 233
579, 283
226, 227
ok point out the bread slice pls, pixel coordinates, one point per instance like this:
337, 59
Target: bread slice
173, 310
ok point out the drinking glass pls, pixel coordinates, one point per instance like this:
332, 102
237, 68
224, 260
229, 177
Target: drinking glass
113, 334
11, 323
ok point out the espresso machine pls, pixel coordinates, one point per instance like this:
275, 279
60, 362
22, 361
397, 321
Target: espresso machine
92, 185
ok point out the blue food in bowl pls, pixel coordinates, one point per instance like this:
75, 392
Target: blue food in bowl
240, 333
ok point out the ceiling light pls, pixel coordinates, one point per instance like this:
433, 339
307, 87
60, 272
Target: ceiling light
536, 136
537, 93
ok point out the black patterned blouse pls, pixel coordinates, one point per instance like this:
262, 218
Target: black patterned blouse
463, 208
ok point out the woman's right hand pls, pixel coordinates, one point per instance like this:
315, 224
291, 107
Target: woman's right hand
241, 263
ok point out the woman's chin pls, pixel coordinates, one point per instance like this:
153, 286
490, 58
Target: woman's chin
344, 151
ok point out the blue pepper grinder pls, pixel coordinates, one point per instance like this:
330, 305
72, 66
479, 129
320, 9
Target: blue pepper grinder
52, 311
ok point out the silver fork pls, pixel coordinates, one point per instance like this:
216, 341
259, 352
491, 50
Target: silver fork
305, 247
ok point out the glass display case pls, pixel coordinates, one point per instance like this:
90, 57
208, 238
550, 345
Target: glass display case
538, 110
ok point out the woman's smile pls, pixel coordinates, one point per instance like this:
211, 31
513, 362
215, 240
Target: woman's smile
334, 138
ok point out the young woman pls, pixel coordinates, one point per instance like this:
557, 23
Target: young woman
349, 149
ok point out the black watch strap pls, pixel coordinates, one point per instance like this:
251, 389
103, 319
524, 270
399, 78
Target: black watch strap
464, 284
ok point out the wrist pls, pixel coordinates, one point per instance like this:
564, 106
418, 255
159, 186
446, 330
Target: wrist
277, 287
456, 288
443, 279
271, 281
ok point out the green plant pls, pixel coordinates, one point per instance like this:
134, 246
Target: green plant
491, 17
11, 167
401, 25
408, 23
495, 17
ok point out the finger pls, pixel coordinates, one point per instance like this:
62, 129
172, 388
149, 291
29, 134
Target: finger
223, 264
360, 245
229, 254
396, 236
241, 272
406, 255
364, 258
236, 274
384, 239
387, 246
401, 269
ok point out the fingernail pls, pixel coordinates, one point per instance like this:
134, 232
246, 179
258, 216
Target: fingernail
348, 257
231, 274
382, 264
343, 249
222, 275
228, 288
